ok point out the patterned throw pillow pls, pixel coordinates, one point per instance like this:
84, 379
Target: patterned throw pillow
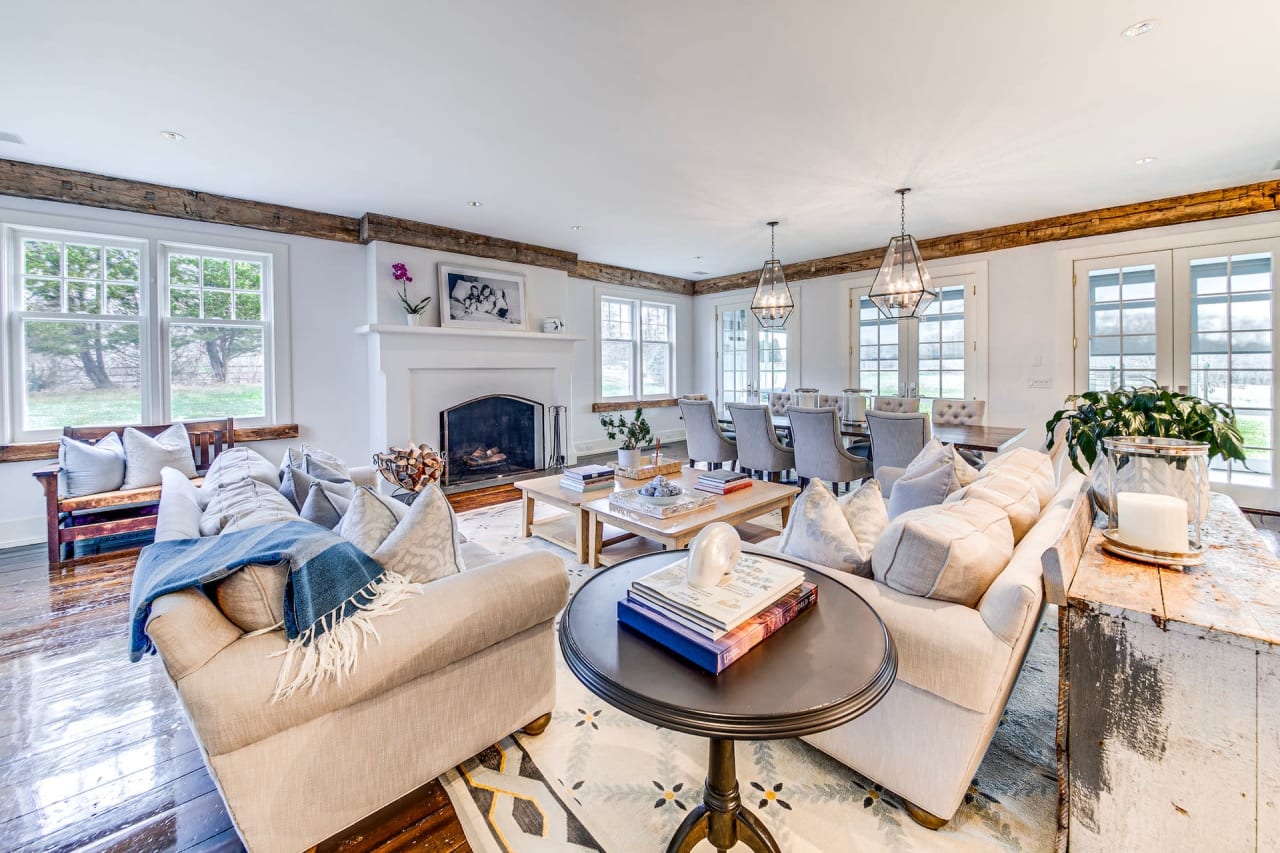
88, 469
367, 522
424, 545
838, 534
144, 456
950, 552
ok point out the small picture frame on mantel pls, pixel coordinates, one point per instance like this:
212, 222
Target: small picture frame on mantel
472, 298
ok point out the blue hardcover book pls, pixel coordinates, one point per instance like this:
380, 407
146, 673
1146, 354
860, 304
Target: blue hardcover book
715, 655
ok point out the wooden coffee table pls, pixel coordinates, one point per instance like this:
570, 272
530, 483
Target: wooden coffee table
567, 529
832, 664
678, 530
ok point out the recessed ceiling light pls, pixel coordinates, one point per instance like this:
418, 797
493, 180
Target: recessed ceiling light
575, 227
700, 272
697, 257
1139, 29
172, 135
1142, 161
474, 203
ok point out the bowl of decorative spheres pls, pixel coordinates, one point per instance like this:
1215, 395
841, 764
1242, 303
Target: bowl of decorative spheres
660, 492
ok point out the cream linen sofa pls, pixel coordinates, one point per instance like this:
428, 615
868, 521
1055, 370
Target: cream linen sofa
456, 669
956, 669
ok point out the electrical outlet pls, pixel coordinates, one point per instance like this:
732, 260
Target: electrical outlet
1040, 383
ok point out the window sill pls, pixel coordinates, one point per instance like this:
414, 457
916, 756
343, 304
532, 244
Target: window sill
629, 405
39, 451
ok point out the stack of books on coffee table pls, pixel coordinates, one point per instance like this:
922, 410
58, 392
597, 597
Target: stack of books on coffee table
713, 627
722, 482
587, 478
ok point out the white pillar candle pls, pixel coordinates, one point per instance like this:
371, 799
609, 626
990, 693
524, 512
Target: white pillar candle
1154, 522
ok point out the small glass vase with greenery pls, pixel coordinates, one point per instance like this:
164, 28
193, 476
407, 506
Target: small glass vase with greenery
1149, 411
634, 435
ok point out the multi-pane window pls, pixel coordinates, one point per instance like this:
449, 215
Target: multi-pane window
110, 330
773, 360
217, 333
878, 350
941, 346
1232, 353
1122, 327
81, 330
735, 379
637, 348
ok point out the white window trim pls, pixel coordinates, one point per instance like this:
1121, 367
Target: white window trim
278, 375
637, 301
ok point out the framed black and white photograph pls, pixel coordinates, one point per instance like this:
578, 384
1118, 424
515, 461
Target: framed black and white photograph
476, 298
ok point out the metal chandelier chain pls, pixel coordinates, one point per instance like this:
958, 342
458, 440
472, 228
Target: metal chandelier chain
773, 250
902, 214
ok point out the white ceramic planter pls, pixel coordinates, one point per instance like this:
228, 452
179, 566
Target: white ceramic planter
630, 458
412, 319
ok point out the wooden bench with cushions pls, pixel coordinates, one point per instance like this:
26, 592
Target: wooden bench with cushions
71, 519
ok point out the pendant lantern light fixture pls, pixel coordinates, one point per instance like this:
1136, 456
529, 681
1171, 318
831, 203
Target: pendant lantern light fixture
772, 303
902, 287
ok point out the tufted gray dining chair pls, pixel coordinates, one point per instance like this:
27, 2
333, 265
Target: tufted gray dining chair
758, 445
896, 404
896, 439
779, 401
966, 412
820, 454
705, 441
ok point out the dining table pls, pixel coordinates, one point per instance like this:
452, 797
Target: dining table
976, 437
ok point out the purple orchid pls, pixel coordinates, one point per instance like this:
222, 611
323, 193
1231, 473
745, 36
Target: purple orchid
400, 273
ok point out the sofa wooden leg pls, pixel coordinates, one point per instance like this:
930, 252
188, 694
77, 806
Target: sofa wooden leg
538, 726
926, 819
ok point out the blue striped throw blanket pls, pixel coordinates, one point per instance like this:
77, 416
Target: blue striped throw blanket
332, 591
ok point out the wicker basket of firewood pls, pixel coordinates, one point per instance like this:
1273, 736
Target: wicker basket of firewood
411, 468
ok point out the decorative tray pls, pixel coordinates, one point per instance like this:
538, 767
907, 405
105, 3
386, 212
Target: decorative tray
632, 499
664, 467
1112, 544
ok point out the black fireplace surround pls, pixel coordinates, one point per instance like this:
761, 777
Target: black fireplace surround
491, 438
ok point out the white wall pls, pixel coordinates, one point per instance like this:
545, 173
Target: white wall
1030, 322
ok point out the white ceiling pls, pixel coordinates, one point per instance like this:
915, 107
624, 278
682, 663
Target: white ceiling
666, 128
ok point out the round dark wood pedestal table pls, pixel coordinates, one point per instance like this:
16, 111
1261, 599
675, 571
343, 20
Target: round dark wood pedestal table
830, 665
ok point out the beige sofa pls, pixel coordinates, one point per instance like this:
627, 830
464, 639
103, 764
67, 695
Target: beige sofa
457, 668
956, 669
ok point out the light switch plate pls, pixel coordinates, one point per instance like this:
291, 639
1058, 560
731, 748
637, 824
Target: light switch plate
1042, 383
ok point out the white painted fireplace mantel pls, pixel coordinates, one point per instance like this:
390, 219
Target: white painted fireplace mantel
416, 372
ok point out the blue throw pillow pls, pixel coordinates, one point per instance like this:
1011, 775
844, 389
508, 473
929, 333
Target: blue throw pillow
926, 489
88, 469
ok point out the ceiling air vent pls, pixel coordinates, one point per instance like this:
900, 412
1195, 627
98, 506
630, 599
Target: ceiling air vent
10, 137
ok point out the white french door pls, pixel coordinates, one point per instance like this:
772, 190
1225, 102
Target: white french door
750, 361
1199, 320
937, 355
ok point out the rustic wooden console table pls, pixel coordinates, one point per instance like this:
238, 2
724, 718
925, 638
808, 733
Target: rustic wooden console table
1169, 702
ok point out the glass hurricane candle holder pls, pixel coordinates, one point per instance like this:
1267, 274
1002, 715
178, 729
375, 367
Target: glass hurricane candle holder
855, 404
1156, 494
806, 398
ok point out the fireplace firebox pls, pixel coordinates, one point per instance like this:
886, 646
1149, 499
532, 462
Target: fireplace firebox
491, 438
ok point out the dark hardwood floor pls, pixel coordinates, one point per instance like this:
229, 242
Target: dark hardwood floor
95, 753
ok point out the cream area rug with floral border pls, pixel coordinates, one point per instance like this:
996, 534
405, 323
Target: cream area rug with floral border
598, 779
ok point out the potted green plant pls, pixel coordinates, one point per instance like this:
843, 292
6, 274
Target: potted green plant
1147, 410
633, 435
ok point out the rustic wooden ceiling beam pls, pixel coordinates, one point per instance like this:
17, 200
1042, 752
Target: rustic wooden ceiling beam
610, 274
409, 232
1193, 207
50, 183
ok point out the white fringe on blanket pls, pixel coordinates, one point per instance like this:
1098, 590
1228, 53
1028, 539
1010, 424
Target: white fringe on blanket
334, 653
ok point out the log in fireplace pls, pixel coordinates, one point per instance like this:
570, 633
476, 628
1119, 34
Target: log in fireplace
491, 438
